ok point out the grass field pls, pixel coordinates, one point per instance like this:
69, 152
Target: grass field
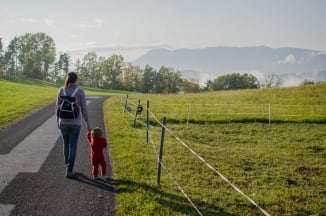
280, 166
20, 97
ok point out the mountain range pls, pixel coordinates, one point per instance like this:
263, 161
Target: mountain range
291, 65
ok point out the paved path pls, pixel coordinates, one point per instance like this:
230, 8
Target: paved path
32, 169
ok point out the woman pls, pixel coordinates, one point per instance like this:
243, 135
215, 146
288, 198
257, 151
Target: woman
70, 128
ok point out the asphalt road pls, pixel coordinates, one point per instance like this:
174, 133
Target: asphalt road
32, 171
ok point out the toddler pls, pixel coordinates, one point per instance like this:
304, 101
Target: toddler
97, 143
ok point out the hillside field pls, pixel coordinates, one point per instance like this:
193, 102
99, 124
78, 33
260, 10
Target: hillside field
19, 97
281, 166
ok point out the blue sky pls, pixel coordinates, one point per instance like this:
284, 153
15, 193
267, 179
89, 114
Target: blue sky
132, 27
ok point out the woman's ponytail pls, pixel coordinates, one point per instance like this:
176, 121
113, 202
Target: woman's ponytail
70, 78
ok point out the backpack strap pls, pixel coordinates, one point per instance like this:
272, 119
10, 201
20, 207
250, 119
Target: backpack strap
73, 94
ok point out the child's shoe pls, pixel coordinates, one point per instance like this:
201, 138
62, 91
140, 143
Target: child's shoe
94, 177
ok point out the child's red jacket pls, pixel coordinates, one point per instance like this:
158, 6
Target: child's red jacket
97, 145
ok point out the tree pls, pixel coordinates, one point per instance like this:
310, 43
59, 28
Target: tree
31, 55
10, 58
88, 68
132, 78
37, 53
174, 80
235, 81
191, 85
61, 67
209, 85
149, 78
1, 58
113, 71
270, 81
307, 82
64, 60
161, 81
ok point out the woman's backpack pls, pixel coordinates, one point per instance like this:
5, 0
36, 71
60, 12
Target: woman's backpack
68, 108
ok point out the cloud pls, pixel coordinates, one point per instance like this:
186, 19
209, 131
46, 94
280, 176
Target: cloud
29, 20
163, 30
33, 21
290, 59
94, 23
130, 52
49, 22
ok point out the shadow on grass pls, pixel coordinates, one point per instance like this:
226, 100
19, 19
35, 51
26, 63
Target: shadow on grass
177, 203
152, 122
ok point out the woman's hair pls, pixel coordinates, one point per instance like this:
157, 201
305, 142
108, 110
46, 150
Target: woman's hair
97, 132
70, 78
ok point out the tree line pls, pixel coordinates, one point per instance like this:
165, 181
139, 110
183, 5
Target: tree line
34, 56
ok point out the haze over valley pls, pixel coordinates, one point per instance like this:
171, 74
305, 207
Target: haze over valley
292, 65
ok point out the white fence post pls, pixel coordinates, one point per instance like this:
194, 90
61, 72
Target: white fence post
189, 110
269, 113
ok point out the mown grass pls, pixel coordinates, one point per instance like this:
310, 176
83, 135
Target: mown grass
281, 166
19, 97
296, 104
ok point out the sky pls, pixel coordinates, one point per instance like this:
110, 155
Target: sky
132, 27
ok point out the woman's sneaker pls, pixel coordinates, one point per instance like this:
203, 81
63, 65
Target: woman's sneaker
69, 175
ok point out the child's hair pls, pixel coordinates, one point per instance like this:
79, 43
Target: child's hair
97, 132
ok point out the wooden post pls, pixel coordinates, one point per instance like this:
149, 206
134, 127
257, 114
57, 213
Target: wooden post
161, 152
136, 114
126, 104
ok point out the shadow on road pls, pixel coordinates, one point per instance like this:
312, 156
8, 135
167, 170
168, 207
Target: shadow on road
104, 184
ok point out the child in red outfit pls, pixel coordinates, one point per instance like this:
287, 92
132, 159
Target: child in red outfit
97, 143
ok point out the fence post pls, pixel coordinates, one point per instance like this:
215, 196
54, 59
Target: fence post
161, 152
189, 110
136, 113
147, 119
126, 104
269, 113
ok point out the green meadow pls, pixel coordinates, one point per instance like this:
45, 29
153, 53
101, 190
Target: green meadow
20, 97
281, 166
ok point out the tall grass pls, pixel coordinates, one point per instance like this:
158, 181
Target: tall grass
280, 166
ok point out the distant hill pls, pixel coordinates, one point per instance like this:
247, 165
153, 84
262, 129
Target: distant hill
292, 65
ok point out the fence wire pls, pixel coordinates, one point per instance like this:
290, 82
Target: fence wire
201, 159
211, 167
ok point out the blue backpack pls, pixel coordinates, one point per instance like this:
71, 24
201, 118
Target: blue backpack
68, 108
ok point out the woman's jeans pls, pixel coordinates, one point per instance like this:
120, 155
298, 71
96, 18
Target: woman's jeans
70, 134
